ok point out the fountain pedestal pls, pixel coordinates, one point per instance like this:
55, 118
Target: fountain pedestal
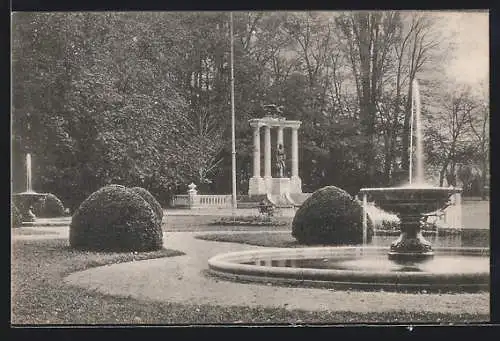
411, 246
410, 203
24, 201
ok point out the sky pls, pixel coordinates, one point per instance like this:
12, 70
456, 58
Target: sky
471, 57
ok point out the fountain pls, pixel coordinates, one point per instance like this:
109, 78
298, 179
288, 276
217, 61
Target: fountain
25, 200
410, 263
413, 201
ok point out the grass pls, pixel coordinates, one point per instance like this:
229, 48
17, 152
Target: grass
29, 232
37, 270
39, 296
285, 239
476, 214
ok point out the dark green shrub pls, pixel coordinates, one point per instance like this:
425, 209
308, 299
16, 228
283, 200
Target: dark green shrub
330, 216
151, 200
115, 218
15, 215
49, 207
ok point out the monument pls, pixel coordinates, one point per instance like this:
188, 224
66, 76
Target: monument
281, 184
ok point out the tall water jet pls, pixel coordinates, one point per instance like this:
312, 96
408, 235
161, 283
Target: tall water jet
29, 188
416, 135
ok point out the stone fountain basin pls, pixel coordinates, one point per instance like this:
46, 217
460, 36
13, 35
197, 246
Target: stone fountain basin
230, 266
418, 199
25, 199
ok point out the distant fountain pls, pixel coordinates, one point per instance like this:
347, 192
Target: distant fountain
24, 201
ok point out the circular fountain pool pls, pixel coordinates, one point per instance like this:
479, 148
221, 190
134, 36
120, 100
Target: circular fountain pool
365, 268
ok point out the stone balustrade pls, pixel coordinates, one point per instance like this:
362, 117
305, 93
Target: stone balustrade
201, 201
181, 200
216, 201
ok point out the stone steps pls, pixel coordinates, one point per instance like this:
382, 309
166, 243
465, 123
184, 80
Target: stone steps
278, 200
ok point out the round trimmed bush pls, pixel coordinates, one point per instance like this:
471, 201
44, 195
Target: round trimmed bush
115, 218
151, 200
49, 207
330, 216
15, 216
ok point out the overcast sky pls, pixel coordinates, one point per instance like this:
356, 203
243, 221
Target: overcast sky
471, 58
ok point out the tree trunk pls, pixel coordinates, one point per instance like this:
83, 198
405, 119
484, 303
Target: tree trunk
387, 160
441, 176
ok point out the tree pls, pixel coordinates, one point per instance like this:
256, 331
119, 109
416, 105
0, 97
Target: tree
103, 100
144, 97
449, 141
479, 124
419, 51
368, 37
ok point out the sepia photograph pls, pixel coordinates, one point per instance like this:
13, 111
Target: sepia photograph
281, 168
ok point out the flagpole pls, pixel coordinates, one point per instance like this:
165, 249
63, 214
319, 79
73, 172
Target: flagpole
410, 167
233, 143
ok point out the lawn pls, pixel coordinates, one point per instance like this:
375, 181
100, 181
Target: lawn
285, 239
476, 214
39, 296
203, 223
30, 232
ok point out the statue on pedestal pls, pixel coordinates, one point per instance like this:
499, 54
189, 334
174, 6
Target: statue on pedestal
280, 160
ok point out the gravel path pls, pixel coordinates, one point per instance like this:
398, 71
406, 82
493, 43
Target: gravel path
181, 279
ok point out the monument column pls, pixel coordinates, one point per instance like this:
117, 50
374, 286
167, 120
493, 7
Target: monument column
267, 151
279, 139
295, 181
256, 184
295, 152
256, 151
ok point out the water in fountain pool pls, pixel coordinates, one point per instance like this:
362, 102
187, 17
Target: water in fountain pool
445, 262
437, 265
448, 263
